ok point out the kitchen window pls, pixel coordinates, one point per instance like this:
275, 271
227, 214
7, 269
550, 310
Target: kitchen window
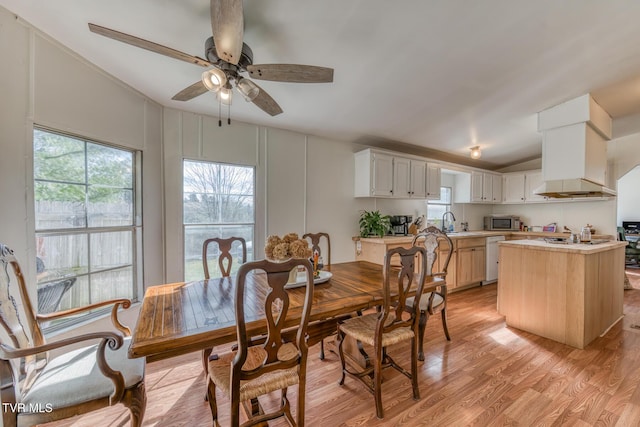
87, 223
218, 201
437, 208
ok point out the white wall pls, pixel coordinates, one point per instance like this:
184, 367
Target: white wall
629, 197
46, 85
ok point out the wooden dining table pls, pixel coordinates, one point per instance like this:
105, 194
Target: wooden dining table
183, 317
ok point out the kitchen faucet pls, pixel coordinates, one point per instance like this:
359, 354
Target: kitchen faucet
453, 218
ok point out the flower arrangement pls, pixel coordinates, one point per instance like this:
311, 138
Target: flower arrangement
289, 246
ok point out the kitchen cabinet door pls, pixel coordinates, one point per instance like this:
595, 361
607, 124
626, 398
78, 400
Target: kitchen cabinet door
477, 188
513, 188
409, 178
401, 177
471, 266
496, 188
487, 188
418, 187
434, 181
532, 181
373, 174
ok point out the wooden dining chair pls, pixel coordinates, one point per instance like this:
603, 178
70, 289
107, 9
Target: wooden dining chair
225, 263
316, 246
37, 388
280, 361
388, 326
436, 242
225, 259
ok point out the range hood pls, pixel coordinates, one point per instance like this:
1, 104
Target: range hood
574, 149
564, 188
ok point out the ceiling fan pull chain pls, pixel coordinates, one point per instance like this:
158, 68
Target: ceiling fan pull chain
229, 114
219, 113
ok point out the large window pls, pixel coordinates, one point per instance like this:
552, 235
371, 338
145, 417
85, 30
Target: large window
437, 208
219, 201
86, 220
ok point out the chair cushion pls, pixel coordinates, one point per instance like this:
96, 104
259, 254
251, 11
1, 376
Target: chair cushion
220, 372
74, 377
363, 329
424, 301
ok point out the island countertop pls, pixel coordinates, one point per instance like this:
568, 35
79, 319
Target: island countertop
582, 248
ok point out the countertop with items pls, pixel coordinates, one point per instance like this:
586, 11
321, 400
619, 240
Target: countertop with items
513, 235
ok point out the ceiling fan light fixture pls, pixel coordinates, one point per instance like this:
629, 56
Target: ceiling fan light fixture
475, 152
225, 95
248, 89
214, 79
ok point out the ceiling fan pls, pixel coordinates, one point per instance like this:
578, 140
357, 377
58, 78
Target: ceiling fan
227, 59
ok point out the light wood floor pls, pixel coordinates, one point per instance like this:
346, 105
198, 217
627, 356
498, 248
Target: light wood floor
487, 375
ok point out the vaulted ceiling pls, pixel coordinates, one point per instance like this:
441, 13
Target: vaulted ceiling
439, 75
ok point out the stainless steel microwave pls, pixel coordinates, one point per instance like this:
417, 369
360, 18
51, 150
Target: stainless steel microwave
502, 223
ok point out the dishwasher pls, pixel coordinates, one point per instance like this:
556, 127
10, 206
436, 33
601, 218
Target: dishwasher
491, 255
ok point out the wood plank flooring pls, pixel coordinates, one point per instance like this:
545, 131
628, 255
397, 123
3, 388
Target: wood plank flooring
488, 375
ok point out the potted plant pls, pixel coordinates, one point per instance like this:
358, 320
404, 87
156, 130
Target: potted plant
373, 223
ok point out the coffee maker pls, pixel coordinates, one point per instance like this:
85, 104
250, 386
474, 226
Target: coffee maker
400, 225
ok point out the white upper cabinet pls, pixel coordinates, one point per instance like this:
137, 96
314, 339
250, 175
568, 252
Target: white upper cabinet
533, 180
382, 174
486, 187
519, 187
434, 181
477, 187
373, 174
409, 178
418, 186
513, 187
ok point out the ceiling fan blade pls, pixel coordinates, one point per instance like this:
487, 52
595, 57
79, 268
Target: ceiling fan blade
196, 89
146, 44
227, 25
265, 102
291, 73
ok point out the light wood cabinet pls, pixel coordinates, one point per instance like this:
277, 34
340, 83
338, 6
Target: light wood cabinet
466, 266
470, 259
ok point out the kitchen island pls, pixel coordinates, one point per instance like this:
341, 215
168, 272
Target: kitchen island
570, 293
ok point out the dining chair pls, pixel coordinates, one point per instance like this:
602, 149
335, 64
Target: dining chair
316, 246
225, 263
277, 363
436, 242
225, 259
388, 326
37, 388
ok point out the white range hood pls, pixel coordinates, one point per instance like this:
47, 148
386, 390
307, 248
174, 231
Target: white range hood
574, 149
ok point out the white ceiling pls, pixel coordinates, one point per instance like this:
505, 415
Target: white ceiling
440, 74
